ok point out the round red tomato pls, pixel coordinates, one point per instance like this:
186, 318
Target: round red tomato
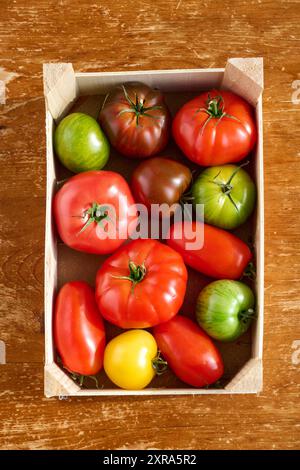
141, 285
216, 127
95, 212
222, 255
189, 351
78, 328
136, 120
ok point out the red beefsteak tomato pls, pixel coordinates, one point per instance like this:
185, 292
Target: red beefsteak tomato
216, 127
95, 212
141, 285
79, 333
136, 120
189, 351
222, 256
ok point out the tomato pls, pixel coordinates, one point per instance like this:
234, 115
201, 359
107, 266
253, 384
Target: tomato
136, 120
190, 353
131, 359
214, 128
160, 180
228, 194
223, 255
225, 309
95, 212
141, 285
78, 329
80, 143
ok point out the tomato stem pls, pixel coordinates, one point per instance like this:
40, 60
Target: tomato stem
250, 271
159, 364
138, 107
81, 377
136, 274
97, 213
215, 110
247, 315
227, 186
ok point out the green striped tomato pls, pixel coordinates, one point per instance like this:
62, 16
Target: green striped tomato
225, 309
80, 143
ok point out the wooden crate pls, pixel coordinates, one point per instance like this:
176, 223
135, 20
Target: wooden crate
62, 88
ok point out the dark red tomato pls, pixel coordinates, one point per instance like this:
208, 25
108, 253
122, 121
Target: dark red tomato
136, 120
78, 328
95, 212
141, 285
189, 351
222, 256
216, 127
160, 180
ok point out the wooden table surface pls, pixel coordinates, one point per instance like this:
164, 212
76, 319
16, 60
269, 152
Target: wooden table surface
114, 35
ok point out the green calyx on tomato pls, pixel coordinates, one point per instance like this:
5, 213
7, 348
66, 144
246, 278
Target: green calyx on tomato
159, 365
97, 213
228, 194
138, 107
225, 309
79, 378
215, 109
136, 274
227, 187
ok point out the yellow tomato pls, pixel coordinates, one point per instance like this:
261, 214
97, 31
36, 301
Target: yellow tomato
128, 359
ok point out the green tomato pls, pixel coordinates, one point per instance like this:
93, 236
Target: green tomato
225, 309
228, 194
80, 144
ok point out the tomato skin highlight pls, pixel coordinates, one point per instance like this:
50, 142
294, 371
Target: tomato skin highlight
225, 309
217, 141
77, 196
223, 255
78, 329
156, 298
225, 205
128, 359
189, 351
134, 138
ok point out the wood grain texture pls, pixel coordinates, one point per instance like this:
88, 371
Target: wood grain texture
128, 35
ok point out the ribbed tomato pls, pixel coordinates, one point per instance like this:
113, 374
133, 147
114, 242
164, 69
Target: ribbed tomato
95, 212
216, 127
136, 120
141, 285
